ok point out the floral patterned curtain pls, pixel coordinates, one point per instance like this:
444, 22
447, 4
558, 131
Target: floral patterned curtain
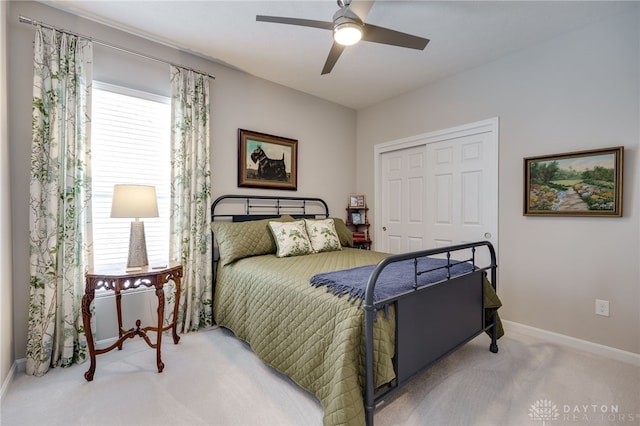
190, 237
60, 199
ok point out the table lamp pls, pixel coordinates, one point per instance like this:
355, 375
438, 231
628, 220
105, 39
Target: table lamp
135, 201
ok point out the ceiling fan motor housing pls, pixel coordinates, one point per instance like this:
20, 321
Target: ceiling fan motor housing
347, 31
347, 27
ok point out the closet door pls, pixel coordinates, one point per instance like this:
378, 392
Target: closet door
438, 189
403, 207
461, 193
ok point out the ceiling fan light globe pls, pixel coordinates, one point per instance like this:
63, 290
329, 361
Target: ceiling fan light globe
347, 34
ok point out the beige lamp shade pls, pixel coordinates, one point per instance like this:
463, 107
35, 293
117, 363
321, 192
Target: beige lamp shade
134, 201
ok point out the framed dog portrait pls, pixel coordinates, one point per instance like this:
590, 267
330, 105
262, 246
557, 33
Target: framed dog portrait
267, 161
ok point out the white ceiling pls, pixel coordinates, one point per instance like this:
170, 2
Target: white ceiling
463, 34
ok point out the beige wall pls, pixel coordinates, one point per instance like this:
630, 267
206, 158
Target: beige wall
325, 131
579, 91
6, 311
576, 92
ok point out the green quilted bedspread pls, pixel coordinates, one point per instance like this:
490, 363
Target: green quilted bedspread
312, 336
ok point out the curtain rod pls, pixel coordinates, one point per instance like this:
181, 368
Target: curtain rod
25, 20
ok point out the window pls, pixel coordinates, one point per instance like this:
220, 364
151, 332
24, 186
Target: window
130, 132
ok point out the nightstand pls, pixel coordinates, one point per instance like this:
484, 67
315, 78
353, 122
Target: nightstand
119, 279
359, 224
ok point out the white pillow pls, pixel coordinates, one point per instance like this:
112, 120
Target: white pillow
291, 238
322, 234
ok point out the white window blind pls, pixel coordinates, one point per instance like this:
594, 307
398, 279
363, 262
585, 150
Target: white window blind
130, 133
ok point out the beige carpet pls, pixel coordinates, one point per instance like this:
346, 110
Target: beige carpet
212, 378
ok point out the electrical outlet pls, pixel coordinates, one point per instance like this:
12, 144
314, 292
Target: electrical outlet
602, 307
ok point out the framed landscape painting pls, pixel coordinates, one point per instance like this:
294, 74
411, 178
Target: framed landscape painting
267, 161
585, 183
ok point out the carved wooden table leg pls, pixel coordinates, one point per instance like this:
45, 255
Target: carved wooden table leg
86, 321
119, 312
160, 294
177, 280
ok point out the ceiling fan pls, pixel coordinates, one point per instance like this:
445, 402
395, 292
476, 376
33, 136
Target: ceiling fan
348, 28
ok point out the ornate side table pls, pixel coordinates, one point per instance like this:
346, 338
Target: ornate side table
119, 279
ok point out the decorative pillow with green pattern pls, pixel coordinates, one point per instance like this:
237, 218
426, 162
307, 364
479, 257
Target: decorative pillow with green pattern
322, 235
291, 238
237, 240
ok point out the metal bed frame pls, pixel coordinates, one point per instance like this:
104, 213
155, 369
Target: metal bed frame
242, 208
420, 342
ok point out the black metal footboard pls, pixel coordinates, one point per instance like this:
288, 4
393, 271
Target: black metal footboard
457, 302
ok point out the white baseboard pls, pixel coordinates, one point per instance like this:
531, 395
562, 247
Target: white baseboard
16, 367
591, 347
7, 380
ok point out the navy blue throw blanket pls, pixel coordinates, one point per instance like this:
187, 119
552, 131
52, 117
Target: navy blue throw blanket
396, 278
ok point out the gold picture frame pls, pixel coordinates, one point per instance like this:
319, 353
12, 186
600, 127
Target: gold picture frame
267, 161
583, 183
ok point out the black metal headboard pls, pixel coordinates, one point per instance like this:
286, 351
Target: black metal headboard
240, 208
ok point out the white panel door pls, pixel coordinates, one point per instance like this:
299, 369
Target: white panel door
452, 200
461, 191
403, 177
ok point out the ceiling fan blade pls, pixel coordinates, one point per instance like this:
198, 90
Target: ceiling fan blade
295, 21
361, 8
382, 35
334, 54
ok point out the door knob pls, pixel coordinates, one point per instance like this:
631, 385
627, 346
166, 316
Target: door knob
384, 228
487, 235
